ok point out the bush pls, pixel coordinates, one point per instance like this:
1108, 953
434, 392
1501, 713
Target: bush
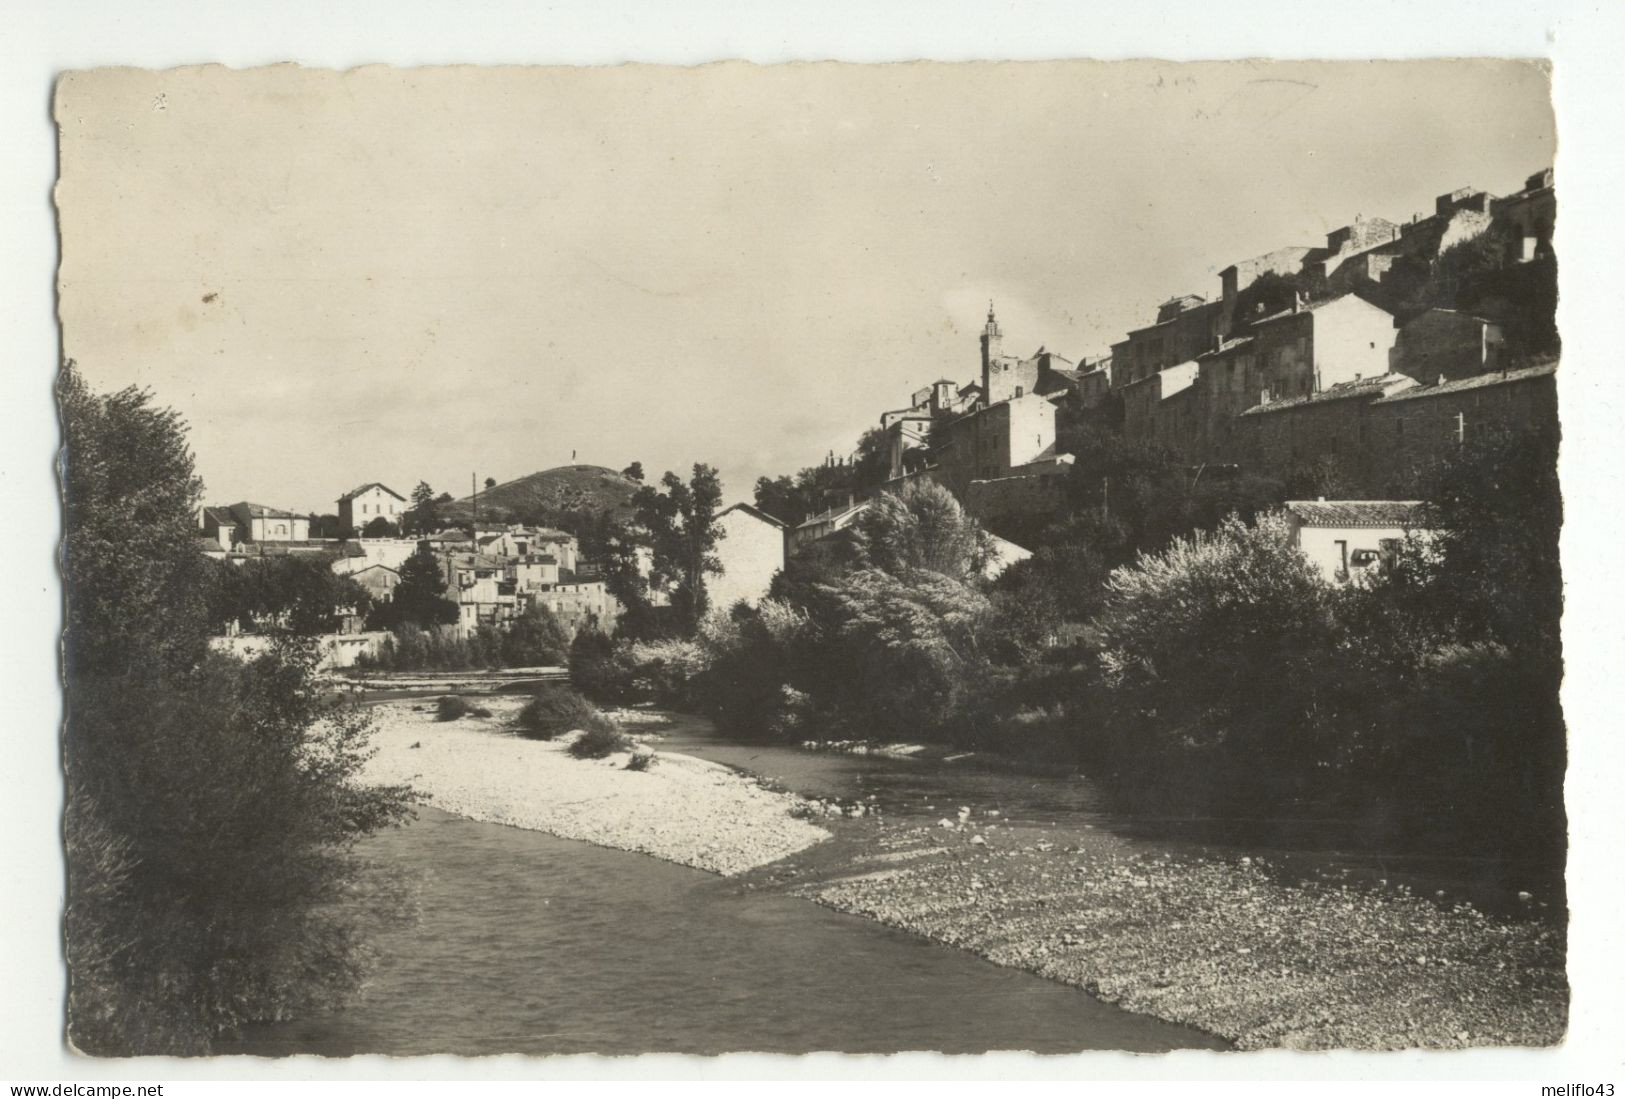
534, 638
1221, 663
599, 668
641, 761
600, 739
554, 710
452, 707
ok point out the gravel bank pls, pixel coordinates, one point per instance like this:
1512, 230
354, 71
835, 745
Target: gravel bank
1224, 946
684, 810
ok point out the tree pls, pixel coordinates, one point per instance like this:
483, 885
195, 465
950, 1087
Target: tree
535, 638
898, 656
679, 522
130, 568
325, 526
379, 528
634, 472
212, 803
419, 598
423, 517
1215, 654
490, 483
921, 527
300, 595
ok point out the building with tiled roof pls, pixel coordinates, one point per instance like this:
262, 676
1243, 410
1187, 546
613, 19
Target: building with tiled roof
259, 523
371, 501
1345, 539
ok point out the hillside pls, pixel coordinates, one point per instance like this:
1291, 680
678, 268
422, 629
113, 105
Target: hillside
548, 497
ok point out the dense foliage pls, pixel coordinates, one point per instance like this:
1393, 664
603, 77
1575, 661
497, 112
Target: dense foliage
677, 522
1177, 645
419, 599
212, 804
534, 639
269, 594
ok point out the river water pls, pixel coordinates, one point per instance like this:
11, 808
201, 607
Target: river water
532, 944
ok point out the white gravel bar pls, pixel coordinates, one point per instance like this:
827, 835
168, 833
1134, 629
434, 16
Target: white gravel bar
685, 810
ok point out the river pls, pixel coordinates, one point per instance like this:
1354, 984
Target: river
532, 944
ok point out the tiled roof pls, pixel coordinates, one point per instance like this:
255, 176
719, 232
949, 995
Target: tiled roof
1380, 386
751, 509
1477, 381
1226, 345
222, 516
1357, 513
288, 549
354, 492
260, 511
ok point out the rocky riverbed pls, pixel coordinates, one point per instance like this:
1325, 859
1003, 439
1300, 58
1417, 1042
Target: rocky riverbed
681, 809
1224, 944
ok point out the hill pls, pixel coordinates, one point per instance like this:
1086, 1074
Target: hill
553, 497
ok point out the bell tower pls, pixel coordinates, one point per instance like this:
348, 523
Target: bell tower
992, 348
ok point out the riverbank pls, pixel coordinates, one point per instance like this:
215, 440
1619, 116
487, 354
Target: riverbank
1214, 940
1226, 946
684, 810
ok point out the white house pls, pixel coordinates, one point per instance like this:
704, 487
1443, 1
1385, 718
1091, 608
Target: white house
1345, 538
751, 550
362, 505
258, 523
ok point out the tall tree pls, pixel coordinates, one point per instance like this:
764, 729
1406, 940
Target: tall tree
419, 598
634, 472
423, 516
921, 527
679, 522
211, 803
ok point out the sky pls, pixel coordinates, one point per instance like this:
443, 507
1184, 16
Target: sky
406, 275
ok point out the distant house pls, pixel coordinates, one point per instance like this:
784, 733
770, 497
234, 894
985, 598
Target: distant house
751, 551
379, 581
370, 501
220, 527
258, 523
826, 523
1344, 538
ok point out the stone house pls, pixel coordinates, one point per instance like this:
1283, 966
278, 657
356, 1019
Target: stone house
1345, 539
1159, 410
1530, 214
379, 581
1281, 437
751, 551
1310, 348
1408, 430
1446, 345
1185, 327
365, 503
994, 442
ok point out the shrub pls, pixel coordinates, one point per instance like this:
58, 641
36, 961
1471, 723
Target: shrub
450, 708
554, 709
1216, 657
641, 761
600, 739
534, 638
663, 672
599, 668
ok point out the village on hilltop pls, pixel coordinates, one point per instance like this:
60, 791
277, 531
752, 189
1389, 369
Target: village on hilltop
1332, 364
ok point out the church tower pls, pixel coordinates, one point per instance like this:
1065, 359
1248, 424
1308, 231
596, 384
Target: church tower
992, 348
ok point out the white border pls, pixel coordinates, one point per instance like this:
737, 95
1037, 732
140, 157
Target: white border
46, 37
